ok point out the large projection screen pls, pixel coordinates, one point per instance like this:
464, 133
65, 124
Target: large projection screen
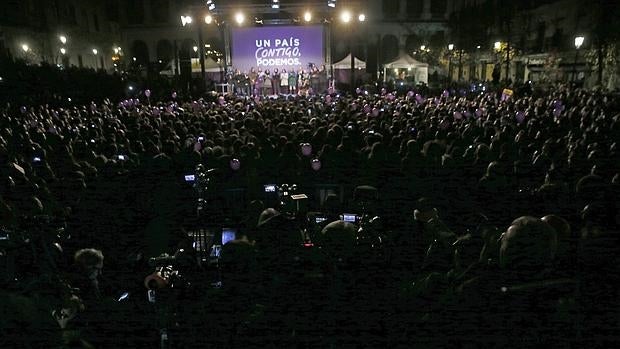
288, 47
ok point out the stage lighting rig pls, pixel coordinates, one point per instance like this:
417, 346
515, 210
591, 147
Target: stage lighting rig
210, 5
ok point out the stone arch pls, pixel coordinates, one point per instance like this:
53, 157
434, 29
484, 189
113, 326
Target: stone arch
187, 49
165, 51
413, 43
140, 51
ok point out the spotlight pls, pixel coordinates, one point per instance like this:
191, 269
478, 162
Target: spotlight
239, 18
63, 39
307, 16
497, 45
25, 47
95, 51
208, 19
63, 50
361, 17
195, 48
185, 20
346, 16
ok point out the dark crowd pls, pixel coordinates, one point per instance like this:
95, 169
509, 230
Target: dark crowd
457, 219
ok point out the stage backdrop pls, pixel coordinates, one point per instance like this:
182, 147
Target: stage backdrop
289, 47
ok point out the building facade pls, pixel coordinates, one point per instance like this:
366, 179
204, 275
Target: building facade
79, 33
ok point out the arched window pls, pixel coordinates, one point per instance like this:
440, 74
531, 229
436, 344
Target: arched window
165, 52
140, 50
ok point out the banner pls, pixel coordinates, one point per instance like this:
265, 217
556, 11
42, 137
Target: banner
288, 47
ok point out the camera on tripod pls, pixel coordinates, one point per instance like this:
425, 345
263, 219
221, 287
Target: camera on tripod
292, 203
167, 271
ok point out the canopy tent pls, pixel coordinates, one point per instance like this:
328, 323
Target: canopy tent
342, 69
416, 68
345, 63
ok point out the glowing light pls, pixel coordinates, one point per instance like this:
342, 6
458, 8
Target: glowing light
361, 17
451, 47
307, 16
185, 20
239, 18
25, 48
579, 41
208, 19
345, 16
195, 48
95, 52
497, 45
63, 50
63, 39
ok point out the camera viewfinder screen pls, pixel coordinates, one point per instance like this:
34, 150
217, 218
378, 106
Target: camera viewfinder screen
348, 217
228, 235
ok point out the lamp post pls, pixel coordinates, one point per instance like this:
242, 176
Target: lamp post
497, 46
450, 48
578, 42
507, 60
460, 75
95, 53
346, 17
186, 20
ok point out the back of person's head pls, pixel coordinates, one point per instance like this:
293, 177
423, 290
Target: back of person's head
89, 261
338, 240
528, 245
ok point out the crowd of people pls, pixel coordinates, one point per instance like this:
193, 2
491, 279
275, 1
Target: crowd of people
481, 220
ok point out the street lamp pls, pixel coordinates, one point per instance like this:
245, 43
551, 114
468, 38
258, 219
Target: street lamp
63, 39
578, 43
450, 48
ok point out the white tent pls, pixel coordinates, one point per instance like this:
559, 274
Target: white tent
418, 69
345, 63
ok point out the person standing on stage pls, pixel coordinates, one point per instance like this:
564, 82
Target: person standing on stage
267, 83
253, 76
301, 80
260, 82
284, 81
292, 81
275, 82
314, 80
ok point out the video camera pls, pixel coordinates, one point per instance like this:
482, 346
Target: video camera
167, 271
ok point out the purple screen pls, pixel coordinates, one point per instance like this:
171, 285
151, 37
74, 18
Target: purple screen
279, 47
